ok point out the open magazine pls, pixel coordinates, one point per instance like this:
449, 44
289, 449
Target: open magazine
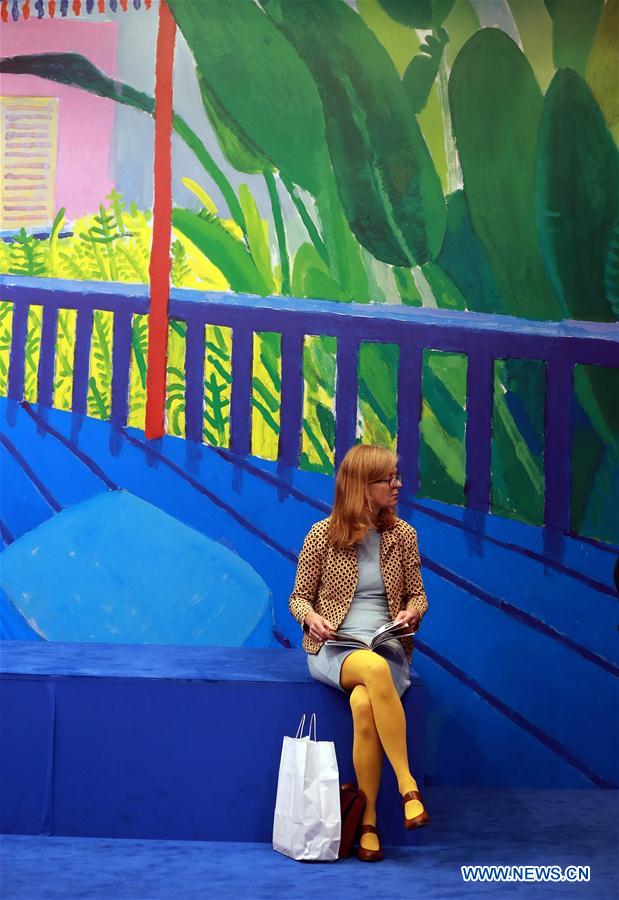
384, 633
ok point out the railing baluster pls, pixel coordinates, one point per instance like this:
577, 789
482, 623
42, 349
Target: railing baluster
409, 413
291, 415
482, 337
83, 336
345, 396
558, 444
194, 380
18, 351
479, 399
121, 360
240, 399
45, 388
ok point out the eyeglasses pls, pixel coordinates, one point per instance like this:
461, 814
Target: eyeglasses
391, 481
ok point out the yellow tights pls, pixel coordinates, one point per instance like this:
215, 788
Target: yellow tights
379, 724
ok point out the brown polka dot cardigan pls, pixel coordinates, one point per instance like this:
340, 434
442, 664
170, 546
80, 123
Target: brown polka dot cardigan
327, 577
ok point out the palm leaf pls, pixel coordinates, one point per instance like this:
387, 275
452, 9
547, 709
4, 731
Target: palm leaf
387, 182
223, 249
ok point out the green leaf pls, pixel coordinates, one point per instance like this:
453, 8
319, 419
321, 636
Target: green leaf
464, 259
414, 13
573, 28
445, 291
268, 93
496, 106
57, 224
422, 71
257, 236
266, 415
517, 476
326, 420
280, 230
442, 426
77, 71
407, 288
311, 277
597, 389
258, 79
386, 179
418, 13
270, 354
378, 366
269, 398
577, 196
611, 271
577, 192
223, 249
235, 145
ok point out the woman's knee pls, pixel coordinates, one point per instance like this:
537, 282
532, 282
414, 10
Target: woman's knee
360, 701
364, 667
378, 674
361, 707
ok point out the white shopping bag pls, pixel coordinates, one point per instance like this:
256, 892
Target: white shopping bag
307, 823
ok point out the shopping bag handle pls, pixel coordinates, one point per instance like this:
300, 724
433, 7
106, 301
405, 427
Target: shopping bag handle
312, 720
301, 727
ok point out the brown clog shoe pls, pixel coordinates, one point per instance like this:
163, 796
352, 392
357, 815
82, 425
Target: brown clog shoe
368, 855
422, 819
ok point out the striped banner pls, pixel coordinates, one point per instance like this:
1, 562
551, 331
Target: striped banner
13, 10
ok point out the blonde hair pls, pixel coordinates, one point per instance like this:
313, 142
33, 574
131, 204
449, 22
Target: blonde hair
352, 508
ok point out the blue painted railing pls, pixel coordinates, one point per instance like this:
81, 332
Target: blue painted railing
482, 338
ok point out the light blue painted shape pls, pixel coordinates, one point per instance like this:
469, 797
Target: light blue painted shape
13, 626
116, 569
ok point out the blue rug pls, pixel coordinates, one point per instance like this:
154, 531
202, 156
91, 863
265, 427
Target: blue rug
469, 827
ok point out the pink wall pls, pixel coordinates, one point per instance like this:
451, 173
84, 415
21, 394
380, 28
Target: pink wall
85, 121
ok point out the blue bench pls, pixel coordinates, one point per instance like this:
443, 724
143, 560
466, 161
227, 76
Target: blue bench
136, 741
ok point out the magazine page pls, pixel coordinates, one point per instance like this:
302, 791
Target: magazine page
347, 640
389, 632
384, 633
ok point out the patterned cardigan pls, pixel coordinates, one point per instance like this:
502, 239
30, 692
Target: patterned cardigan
327, 578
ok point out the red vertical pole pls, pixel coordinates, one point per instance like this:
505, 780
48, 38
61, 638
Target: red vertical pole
162, 227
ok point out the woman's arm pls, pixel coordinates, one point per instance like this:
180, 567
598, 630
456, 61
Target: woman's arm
414, 600
414, 594
307, 579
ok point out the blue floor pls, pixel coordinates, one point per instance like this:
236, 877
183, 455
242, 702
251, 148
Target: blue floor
469, 826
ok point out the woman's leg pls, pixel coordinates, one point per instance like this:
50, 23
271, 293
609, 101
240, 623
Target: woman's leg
364, 667
367, 757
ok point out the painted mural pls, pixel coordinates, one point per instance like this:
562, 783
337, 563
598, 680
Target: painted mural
440, 172
447, 162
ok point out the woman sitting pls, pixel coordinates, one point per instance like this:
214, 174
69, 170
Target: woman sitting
360, 569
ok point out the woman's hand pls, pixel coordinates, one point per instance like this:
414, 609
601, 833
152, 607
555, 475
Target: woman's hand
319, 628
410, 618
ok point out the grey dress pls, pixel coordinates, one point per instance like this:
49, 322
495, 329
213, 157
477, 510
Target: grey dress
368, 611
